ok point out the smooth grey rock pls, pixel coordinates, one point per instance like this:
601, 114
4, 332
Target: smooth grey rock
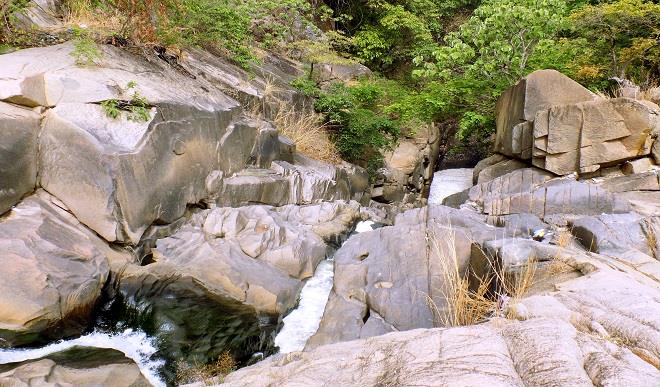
18, 153
484, 163
52, 270
395, 274
616, 234
499, 169
648, 181
531, 191
548, 350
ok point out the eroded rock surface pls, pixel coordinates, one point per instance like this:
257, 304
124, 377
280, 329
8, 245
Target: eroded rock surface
256, 255
18, 153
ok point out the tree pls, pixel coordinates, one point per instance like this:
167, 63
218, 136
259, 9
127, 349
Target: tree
624, 37
489, 53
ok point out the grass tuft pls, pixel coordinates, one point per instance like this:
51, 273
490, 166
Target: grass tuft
207, 374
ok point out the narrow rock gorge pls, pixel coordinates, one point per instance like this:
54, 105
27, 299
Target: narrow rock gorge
157, 228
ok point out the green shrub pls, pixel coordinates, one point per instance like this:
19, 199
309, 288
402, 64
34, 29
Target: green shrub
361, 130
137, 107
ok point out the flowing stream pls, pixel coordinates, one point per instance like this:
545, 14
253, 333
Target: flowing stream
145, 350
448, 182
303, 321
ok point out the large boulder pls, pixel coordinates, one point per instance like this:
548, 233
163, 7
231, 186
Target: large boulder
83, 367
116, 175
517, 108
583, 137
18, 153
619, 234
53, 270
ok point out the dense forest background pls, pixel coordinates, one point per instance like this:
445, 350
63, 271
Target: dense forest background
436, 62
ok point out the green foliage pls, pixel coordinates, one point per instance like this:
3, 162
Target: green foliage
487, 54
9, 11
111, 108
361, 129
306, 86
137, 107
85, 51
623, 39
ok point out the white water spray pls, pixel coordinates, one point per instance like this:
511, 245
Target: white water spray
304, 321
136, 345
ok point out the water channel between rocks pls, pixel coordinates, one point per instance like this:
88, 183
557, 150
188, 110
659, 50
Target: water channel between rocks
129, 331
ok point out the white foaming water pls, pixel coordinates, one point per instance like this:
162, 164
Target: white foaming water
448, 182
134, 344
303, 322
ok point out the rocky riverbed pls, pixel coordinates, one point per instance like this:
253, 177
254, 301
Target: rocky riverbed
130, 248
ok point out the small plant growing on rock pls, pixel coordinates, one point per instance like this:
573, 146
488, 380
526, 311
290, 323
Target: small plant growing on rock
137, 107
85, 51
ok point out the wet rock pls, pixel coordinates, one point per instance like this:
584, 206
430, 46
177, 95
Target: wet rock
52, 270
84, 367
18, 153
517, 108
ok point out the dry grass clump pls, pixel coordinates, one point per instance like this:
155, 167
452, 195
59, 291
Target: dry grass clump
466, 305
306, 130
206, 374
106, 21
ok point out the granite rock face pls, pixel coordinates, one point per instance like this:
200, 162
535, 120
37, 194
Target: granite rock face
517, 108
391, 279
18, 153
53, 270
119, 176
563, 128
409, 167
534, 191
585, 136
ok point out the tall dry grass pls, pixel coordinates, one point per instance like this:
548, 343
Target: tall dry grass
308, 132
302, 125
466, 304
463, 306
